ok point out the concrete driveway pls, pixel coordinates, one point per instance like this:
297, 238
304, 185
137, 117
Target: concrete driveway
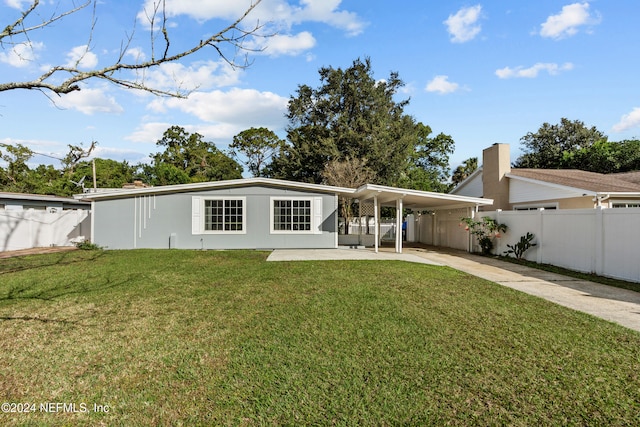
613, 304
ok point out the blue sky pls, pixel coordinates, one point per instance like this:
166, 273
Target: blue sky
483, 72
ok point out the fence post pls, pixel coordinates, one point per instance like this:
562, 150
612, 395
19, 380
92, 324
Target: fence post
498, 248
540, 234
598, 252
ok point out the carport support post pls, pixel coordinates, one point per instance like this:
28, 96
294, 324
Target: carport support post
399, 226
375, 223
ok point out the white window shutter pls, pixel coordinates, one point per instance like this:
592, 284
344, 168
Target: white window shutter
317, 215
195, 216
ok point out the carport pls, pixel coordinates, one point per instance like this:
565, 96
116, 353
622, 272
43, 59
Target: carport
400, 198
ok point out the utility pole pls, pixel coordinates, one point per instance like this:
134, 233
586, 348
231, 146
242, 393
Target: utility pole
95, 186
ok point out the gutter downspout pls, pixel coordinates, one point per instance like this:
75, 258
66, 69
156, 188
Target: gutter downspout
600, 198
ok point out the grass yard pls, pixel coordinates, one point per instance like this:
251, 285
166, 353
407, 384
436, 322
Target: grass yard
225, 338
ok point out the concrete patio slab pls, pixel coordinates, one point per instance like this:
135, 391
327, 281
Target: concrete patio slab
344, 254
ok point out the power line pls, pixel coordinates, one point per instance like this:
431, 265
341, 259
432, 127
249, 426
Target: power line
35, 152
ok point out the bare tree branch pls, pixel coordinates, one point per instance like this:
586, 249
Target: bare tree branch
18, 27
234, 36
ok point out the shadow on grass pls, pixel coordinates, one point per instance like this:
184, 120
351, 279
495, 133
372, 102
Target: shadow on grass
55, 293
40, 319
31, 262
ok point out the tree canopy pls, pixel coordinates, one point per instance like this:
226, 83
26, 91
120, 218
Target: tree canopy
463, 171
353, 115
188, 158
184, 158
74, 175
547, 147
572, 145
605, 157
255, 147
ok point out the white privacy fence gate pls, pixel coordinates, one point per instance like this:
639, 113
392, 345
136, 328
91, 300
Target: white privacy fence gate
31, 228
601, 241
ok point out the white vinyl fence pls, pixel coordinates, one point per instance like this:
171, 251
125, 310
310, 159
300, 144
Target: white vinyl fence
361, 231
24, 229
601, 241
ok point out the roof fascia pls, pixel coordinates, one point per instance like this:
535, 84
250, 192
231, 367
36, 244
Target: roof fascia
368, 191
466, 181
618, 193
243, 182
40, 198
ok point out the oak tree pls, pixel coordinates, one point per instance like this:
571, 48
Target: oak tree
547, 147
255, 147
187, 155
353, 115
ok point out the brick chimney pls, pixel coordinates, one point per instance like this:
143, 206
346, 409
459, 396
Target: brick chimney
496, 163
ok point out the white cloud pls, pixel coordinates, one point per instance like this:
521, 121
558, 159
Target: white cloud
277, 12
442, 85
89, 101
327, 12
246, 107
120, 154
531, 72
199, 75
628, 121
279, 45
463, 26
80, 57
22, 54
221, 133
18, 4
277, 16
567, 22
136, 53
149, 132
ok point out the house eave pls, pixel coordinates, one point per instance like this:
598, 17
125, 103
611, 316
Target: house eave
212, 185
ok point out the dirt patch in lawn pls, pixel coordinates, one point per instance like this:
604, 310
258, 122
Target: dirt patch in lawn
34, 251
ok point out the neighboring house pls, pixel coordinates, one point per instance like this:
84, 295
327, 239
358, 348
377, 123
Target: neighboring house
20, 201
253, 213
526, 189
33, 220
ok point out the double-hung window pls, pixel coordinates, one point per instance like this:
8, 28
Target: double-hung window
301, 215
625, 203
220, 215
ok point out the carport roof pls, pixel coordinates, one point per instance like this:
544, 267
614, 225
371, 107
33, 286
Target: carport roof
416, 199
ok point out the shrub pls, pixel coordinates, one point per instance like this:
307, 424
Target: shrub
485, 231
521, 247
86, 245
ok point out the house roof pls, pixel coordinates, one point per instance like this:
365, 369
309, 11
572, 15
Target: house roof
628, 176
386, 195
40, 198
212, 185
582, 180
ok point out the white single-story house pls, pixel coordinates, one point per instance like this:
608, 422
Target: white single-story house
251, 213
530, 189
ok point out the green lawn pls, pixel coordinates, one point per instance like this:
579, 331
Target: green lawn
225, 338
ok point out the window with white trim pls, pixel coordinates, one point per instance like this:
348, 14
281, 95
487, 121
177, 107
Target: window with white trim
535, 207
301, 215
220, 215
625, 204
